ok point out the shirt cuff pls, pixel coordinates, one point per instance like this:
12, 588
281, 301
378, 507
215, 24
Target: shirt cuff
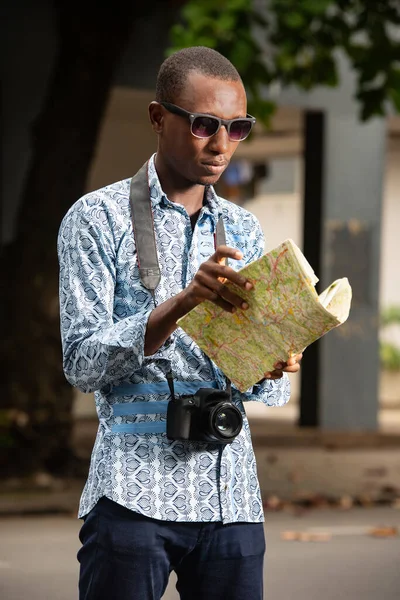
272, 392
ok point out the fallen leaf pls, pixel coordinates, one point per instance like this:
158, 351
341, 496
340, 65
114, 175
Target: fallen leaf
305, 536
289, 536
346, 502
384, 532
273, 502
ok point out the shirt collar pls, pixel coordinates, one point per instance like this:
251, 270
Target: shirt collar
158, 196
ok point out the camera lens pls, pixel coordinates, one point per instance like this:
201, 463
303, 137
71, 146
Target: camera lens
225, 421
222, 421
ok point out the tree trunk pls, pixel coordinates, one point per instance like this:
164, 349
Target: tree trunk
36, 400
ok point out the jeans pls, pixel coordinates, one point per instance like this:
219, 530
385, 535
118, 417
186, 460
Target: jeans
127, 556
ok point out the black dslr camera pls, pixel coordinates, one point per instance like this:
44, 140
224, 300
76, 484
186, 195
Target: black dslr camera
207, 416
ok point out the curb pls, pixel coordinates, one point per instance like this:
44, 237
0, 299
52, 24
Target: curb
36, 501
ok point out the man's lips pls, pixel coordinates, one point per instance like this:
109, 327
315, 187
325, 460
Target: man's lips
215, 166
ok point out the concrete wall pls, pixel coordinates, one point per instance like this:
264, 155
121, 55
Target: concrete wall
390, 266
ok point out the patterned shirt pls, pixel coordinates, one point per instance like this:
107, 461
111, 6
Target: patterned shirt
104, 312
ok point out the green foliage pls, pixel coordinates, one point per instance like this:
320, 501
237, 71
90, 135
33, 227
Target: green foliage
227, 26
390, 316
389, 353
297, 42
389, 357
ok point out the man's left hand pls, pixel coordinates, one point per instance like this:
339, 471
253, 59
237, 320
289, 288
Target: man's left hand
292, 365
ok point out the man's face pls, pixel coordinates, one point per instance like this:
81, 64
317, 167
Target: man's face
201, 161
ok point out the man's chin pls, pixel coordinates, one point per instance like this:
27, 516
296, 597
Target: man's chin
208, 179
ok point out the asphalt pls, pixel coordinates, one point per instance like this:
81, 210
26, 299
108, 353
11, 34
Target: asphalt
339, 556
320, 541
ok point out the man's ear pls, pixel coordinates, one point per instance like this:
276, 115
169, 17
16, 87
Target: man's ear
156, 114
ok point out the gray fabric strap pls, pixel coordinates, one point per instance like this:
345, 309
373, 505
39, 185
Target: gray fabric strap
220, 237
143, 229
149, 268
220, 233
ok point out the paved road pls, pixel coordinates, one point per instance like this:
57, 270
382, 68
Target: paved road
37, 558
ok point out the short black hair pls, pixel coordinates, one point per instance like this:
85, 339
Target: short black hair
173, 73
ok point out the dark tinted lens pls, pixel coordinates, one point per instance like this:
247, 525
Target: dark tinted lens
239, 130
204, 127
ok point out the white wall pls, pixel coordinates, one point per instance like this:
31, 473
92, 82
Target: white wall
390, 257
390, 260
280, 217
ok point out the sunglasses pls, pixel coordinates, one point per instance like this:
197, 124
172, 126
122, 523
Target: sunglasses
204, 126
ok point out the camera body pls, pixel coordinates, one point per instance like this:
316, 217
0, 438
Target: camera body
207, 416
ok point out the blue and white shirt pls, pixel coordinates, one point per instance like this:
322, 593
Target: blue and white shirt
104, 313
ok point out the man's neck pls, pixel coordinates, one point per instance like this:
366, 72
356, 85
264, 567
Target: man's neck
190, 195
192, 202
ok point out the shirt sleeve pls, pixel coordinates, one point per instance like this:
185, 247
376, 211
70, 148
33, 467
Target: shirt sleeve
270, 392
98, 348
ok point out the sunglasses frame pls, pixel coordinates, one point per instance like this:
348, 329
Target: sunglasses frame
181, 112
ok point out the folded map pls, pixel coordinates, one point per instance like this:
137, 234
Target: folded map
285, 315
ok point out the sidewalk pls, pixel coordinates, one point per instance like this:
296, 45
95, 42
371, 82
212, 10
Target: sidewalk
294, 465
302, 464
278, 426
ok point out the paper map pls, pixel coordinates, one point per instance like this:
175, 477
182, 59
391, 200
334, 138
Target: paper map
285, 315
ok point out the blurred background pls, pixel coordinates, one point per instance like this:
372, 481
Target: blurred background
322, 167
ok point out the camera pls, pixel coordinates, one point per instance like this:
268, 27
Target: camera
206, 416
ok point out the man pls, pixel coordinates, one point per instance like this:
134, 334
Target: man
152, 504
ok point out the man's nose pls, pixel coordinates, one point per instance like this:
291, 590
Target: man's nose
220, 141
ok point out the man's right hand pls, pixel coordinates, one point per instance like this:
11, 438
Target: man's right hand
208, 284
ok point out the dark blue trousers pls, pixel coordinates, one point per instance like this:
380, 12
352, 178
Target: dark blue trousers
126, 556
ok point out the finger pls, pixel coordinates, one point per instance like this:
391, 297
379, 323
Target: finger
210, 291
223, 252
292, 368
275, 374
222, 261
210, 275
231, 297
220, 256
296, 358
223, 303
293, 360
204, 287
211, 287
224, 273
293, 364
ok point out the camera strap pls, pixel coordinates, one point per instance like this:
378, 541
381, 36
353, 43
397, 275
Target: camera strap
143, 230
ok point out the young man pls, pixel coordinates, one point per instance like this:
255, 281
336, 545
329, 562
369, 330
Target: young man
152, 504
